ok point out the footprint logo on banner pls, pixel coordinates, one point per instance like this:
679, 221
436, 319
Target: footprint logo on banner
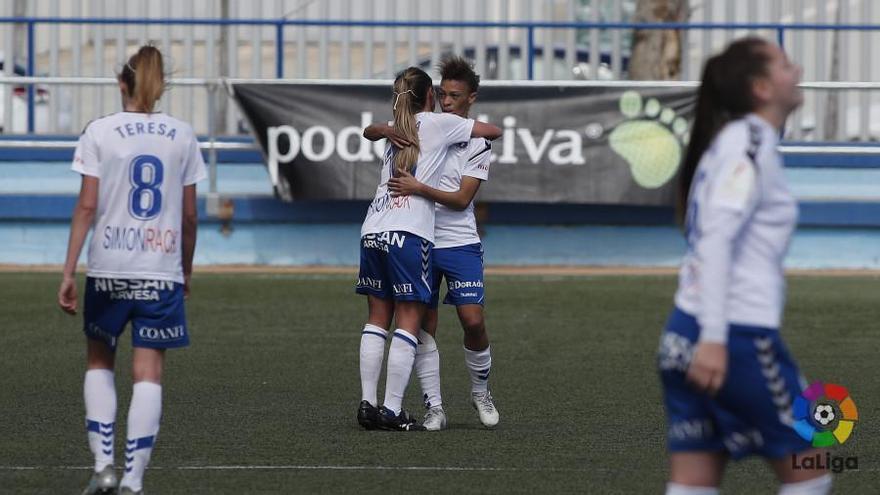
651, 139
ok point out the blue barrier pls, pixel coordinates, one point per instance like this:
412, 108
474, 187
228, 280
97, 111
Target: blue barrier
267, 209
15, 155
845, 201
337, 245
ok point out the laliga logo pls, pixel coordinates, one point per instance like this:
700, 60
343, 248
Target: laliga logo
825, 414
318, 143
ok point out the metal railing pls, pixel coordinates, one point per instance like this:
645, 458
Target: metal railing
528, 28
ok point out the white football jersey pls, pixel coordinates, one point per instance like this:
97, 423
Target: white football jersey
459, 228
142, 162
740, 219
415, 214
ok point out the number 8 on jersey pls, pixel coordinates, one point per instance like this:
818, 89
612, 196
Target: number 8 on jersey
145, 198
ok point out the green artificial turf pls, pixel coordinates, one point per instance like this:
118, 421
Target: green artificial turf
264, 400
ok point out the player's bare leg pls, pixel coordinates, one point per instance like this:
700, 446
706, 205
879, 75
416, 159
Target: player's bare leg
801, 481
695, 473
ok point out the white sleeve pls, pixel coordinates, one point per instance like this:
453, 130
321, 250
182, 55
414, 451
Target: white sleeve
194, 169
455, 129
85, 158
477, 164
731, 200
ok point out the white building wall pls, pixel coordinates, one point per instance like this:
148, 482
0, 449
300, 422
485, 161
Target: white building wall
363, 52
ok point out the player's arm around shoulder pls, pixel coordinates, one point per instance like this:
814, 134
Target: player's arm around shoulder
486, 130
381, 130
459, 129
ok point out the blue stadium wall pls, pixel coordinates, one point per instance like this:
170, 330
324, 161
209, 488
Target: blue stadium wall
833, 233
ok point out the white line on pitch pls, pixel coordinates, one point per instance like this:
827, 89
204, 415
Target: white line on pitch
345, 468
294, 467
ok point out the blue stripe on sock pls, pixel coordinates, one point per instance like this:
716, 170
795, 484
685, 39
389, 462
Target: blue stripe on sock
104, 429
383, 337
406, 338
138, 443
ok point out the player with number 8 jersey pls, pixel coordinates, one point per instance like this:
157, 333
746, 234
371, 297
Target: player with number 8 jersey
139, 171
143, 162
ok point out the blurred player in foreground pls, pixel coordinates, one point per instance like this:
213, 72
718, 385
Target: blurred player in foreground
728, 379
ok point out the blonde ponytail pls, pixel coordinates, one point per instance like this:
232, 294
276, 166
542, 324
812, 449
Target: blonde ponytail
144, 74
410, 95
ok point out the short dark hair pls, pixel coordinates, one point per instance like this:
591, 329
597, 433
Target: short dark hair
457, 68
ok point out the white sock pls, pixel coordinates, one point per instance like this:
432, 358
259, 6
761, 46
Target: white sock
479, 363
815, 486
400, 364
427, 366
372, 353
99, 392
143, 426
678, 489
